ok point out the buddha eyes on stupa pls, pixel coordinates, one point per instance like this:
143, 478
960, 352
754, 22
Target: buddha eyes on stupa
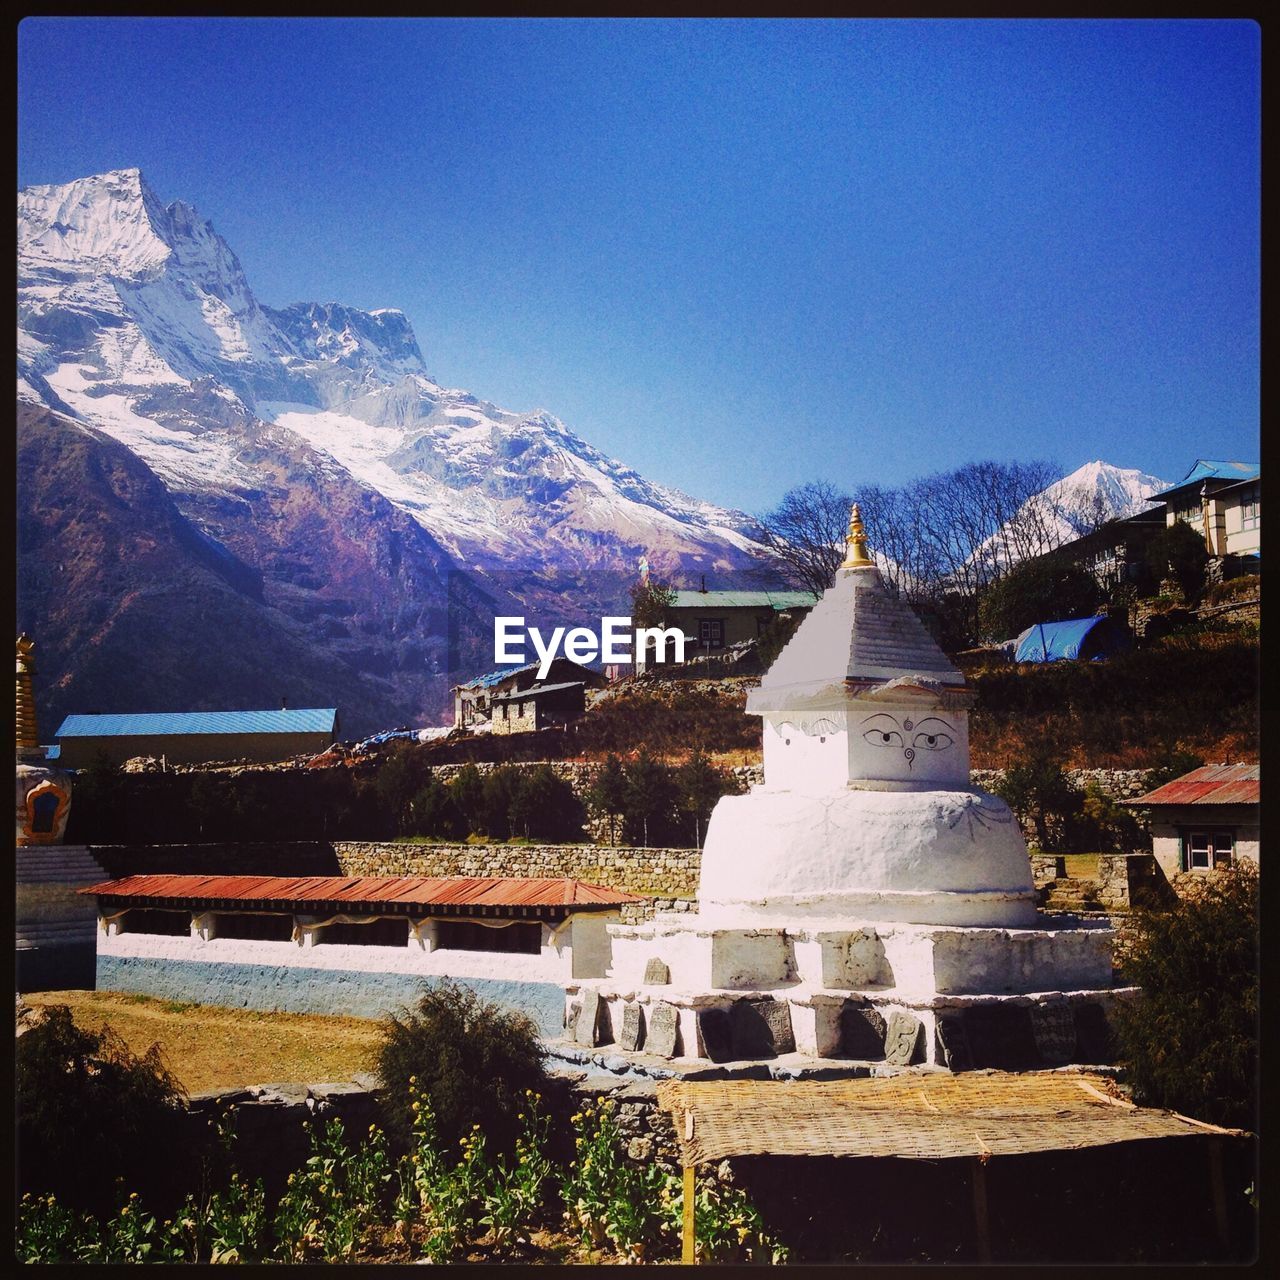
932, 733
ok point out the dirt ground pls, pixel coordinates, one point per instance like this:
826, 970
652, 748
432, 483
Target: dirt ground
209, 1048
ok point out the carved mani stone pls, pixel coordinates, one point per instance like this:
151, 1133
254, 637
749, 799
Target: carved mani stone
660, 1033
716, 1032
1054, 1031
902, 1039
632, 1035
656, 973
1000, 1036
761, 1028
588, 1019
1093, 1033
953, 1042
862, 1032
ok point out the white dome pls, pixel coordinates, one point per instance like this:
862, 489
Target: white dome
952, 857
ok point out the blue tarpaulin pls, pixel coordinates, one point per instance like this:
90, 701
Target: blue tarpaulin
1082, 639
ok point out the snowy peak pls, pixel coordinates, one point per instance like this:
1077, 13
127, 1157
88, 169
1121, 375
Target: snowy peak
110, 223
1098, 491
336, 334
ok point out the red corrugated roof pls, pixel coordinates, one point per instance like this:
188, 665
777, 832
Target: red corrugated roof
1212, 784
470, 891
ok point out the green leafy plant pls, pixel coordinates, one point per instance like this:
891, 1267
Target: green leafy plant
1041, 589
728, 1227
51, 1232
1190, 1040
128, 1117
607, 794
472, 1058
1037, 789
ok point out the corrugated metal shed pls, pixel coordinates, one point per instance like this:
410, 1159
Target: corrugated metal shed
744, 599
1212, 784
447, 892
490, 678
150, 724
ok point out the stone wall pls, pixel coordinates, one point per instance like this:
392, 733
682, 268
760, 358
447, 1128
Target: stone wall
1119, 784
668, 876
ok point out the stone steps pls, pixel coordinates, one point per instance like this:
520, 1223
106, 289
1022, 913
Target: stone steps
58, 864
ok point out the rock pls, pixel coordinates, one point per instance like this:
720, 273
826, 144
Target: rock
1000, 1036
862, 1032
632, 1035
761, 1028
656, 973
640, 1149
902, 1040
588, 1018
662, 1030
716, 1032
1093, 1033
954, 1049
1054, 1030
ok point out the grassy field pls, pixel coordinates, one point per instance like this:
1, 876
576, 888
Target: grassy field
209, 1048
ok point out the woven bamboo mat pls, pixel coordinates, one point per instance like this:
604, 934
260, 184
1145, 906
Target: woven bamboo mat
922, 1117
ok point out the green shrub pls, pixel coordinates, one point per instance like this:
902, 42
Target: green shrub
544, 806
607, 794
467, 792
1190, 1040
1039, 590
474, 1060
1037, 789
1104, 824
699, 785
651, 802
500, 788
1178, 552
1244, 588
433, 811
90, 1112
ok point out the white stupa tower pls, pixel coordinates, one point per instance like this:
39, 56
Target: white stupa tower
864, 898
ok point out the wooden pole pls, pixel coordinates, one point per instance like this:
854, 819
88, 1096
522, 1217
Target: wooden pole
687, 1255
1219, 1189
978, 1179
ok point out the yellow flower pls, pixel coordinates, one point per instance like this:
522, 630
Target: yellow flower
413, 1079
416, 1109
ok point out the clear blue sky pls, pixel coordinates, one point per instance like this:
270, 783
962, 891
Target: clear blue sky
736, 254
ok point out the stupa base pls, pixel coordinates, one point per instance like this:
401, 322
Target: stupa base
1013, 999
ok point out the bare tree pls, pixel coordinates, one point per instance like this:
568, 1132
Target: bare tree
807, 532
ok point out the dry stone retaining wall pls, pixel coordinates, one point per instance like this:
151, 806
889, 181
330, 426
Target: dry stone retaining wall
668, 876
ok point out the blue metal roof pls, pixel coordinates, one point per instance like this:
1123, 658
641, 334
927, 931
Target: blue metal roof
1054, 641
1207, 469
147, 724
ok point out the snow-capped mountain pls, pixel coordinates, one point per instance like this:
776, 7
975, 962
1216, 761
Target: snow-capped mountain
368, 506
128, 306
1069, 508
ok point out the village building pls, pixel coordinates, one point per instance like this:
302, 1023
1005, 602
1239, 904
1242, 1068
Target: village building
1221, 501
715, 620
196, 737
1115, 553
515, 700
1205, 819
865, 901
352, 945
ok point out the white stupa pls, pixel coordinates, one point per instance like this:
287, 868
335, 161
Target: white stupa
866, 894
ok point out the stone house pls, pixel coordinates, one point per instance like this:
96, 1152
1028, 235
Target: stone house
714, 620
477, 701
1207, 818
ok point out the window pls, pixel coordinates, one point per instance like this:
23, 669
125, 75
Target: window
1249, 509
711, 633
387, 932
254, 928
1188, 510
172, 924
1204, 850
465, 935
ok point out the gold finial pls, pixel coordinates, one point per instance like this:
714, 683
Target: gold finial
856, 543
25, 709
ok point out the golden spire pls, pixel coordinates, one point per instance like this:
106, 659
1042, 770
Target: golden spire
27, 738
856, 543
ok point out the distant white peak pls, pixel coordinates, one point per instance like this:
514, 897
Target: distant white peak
110, 223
